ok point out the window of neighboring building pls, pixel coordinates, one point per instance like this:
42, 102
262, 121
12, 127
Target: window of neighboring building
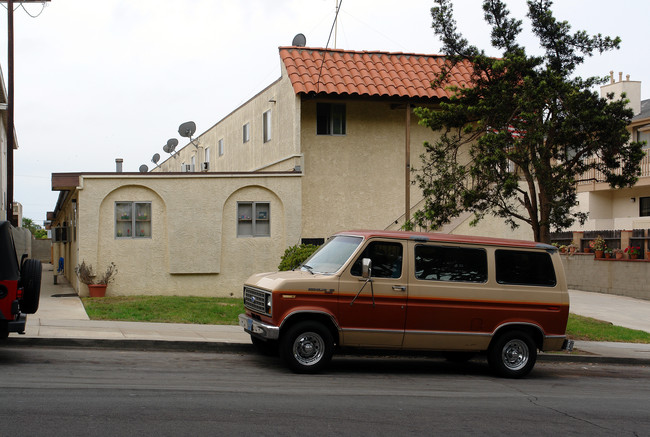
193, 163
455, 264
207, 154
246, 132
524, 268
330, 119
386, 260
266, 123
644, 206
253, 219
221, 150
643, 134
132, 219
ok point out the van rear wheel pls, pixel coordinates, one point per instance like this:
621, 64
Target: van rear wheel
307, 347
513, 354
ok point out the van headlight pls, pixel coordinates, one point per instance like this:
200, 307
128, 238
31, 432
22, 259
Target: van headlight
268, 303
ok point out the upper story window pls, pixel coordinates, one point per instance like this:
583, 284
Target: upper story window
193, 163
246, 133
644, 206
266, 123
330, 119
207, 154
132, 219
221, 147
643, 134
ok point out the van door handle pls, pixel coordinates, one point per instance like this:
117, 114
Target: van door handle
399, 287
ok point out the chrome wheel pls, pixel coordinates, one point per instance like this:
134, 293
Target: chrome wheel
515, 354
308, 348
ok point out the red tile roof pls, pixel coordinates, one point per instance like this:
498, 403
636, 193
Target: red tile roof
367, 73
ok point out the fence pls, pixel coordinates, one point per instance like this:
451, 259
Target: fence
615, 239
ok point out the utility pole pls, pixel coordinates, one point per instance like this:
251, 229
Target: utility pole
10, 106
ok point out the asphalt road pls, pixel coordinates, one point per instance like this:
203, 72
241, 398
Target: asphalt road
71, 392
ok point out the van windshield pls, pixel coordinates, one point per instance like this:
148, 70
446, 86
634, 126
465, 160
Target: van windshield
332, 255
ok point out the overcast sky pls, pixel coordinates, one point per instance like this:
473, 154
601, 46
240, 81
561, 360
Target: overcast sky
97, 80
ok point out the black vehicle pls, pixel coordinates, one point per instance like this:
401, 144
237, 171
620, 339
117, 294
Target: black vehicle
20, 285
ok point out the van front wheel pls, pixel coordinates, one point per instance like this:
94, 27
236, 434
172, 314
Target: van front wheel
513, 354
307, 347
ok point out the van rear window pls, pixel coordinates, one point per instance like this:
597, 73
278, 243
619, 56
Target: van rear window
524, 268
444, 263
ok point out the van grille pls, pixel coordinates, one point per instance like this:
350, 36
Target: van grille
255, 299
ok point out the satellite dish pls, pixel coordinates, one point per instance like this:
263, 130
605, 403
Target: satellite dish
187, 129
155, 158
299, 40
144, 168
171, 144
166, 148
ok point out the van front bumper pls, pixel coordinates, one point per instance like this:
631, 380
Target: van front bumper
258, 328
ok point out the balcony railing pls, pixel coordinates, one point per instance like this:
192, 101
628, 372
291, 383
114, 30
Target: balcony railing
594, 176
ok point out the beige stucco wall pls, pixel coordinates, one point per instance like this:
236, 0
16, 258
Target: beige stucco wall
194, 248
281, 153
357, 180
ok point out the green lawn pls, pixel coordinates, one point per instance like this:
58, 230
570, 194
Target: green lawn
224, 311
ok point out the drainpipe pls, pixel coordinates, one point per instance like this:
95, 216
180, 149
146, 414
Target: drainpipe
407, 173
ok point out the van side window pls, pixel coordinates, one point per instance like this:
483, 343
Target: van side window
386, 260
443, 263
524, 268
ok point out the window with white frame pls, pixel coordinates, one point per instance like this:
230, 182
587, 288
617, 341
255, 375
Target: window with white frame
221, 147
643, 134
193, 163
132, 219
207, 154
246, 133
330, 119
266, 123
253, 219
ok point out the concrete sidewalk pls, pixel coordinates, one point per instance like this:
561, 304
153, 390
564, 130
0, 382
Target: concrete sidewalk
62, 320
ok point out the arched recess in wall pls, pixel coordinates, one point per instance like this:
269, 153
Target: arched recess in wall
138, 256
242, 252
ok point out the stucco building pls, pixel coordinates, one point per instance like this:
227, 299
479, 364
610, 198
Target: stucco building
327, 146
628, 208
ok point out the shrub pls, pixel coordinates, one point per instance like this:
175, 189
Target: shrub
295, 255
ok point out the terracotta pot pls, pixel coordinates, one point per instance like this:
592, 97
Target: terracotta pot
619, 255
97, 290
608, 255
634, 256
599, 253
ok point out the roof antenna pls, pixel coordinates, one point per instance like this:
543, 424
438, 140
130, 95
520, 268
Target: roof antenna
320, 71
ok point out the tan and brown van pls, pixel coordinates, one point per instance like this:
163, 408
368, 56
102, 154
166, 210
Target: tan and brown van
412, 291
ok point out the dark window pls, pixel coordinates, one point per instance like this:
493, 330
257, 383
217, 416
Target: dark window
524, 268
644, 206
386, 260
443, 263
330, 119
314, 241
253, 219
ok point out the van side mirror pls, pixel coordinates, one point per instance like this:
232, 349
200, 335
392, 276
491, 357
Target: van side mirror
366, 268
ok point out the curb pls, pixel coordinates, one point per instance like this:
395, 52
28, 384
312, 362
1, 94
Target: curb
137, 345
240, 348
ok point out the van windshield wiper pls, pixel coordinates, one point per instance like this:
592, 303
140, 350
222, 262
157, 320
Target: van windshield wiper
309, 268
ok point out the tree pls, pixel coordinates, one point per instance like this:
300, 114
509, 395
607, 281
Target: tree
36, 230
515, 141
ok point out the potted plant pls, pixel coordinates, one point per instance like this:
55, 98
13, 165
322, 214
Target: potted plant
572, 248
618, 253
608, 253
598, 245
96, 288
563, 248
633, 251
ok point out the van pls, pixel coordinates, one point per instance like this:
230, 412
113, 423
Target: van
408, 291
